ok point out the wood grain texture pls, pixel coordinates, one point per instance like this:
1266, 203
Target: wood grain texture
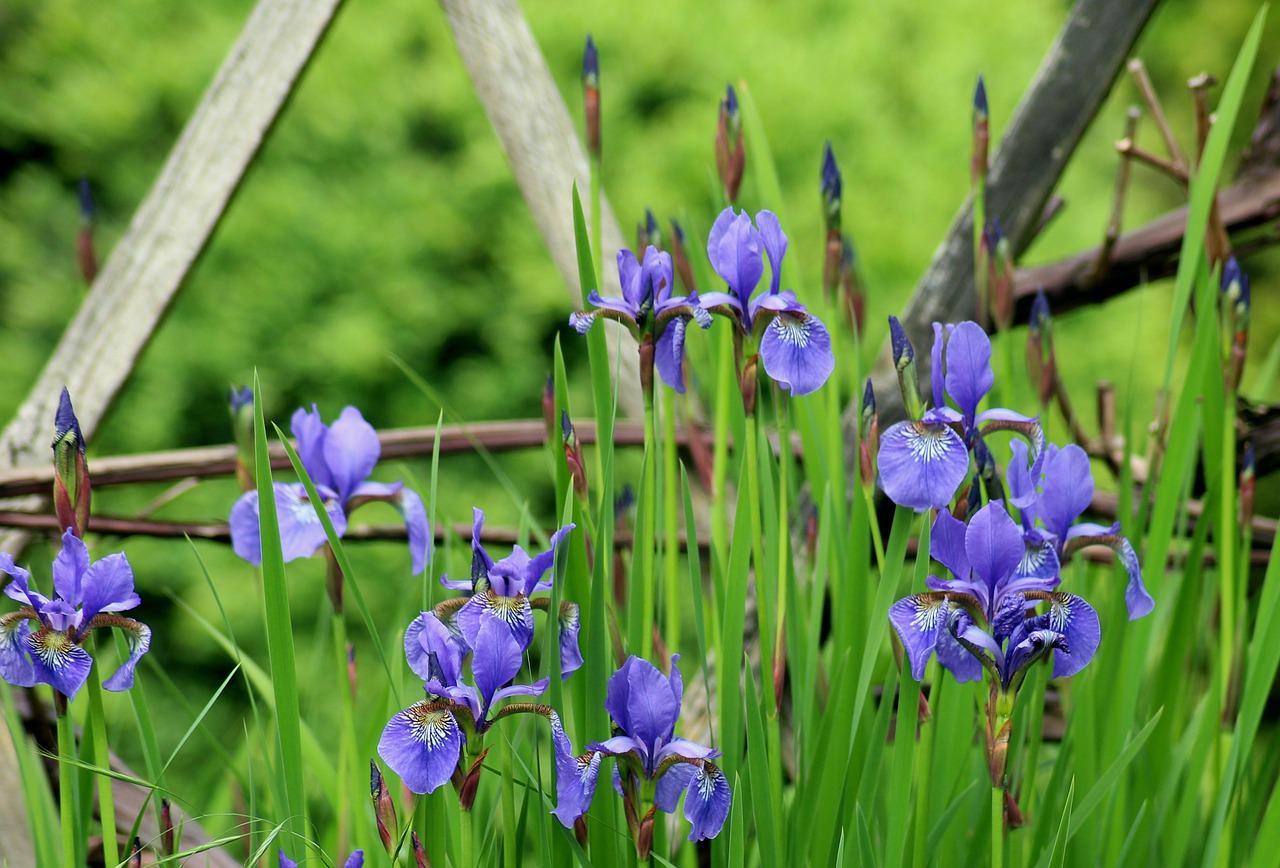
547, 157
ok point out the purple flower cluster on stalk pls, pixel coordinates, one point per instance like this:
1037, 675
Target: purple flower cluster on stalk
87, 595
922, 462
494, 625
795, 346
339, 459
984, 617
655, 317
644, 705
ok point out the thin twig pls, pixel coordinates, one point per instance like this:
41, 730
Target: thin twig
1117, 201
1149, 96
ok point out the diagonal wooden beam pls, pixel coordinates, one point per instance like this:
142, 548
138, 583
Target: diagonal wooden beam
98, 350
547, 157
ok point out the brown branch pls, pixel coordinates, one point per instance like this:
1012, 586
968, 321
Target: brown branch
1144, 254
211, 461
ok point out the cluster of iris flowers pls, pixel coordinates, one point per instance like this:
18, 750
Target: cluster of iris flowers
986, 620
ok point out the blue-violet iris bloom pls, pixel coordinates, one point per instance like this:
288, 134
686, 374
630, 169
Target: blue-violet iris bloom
355, 860
86, 596
649, 310
922, 462
644, 705
1055, 498
339, 459
795, 347
501, 590
982, 617
422, 744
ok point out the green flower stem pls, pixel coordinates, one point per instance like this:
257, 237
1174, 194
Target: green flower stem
72, 840
670, 523
465, 859
725, 380
642, 621
347, 739
997, 827
510, 819
765, 599
102, 759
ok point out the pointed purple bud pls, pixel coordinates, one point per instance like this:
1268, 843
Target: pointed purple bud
383, 807
832, 189
240, 403
71, 486
590, 64
904, 360
591, 98
868, 405
167, 843
88, 208
1041, 361
980, 98
680, 258
1247, 486
419, 853
730, 158
1040, 315
981, 138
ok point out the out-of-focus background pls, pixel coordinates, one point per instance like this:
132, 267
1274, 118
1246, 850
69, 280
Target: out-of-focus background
381, 219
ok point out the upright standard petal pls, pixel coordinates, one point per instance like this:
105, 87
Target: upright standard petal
428, 637
422, 745
495, 661
734, 249
108, 587
994, 545
1067, 480
311, 433
69, 568
796, 352
969, 377
921, 465
570, 625
775, 245
640, 699
351, 449
707, 802
946, 544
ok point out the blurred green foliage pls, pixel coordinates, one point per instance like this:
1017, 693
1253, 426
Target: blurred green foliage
381, 218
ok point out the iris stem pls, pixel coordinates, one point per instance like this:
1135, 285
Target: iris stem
510, 838
646, 574
997, 827
1227, 548
725, 379
464, 839
102, 759
347, 739
670, 522
67, 771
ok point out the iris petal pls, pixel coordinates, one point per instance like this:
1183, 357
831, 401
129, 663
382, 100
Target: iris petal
422, 745
919, 619
796, 352
707, 802
576, 776
921, 465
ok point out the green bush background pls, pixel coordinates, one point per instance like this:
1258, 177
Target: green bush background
381, 218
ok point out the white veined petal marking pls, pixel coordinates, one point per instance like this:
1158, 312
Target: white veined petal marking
431, 725
510, 610
927, 442
1060, 613
792, 328
51, 646
930, 613
1033, 557
707, 780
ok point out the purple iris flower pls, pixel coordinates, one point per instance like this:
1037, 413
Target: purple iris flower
424, 742
1055, 498
649, 310
795, 346
501, 590
983, 617
923, 462
355, 860
339, 459
86, 596
644, 705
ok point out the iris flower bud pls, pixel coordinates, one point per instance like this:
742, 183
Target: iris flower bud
71, 486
